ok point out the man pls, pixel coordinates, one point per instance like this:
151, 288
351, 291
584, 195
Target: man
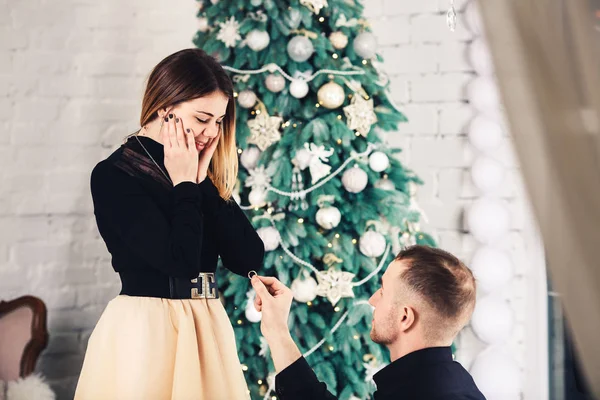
426, 297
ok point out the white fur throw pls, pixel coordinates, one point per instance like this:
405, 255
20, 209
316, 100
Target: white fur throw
32, 387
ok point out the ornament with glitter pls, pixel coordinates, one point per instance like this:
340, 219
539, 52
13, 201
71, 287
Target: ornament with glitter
335, 284
264, 130
229, 32
451, 17
360, 115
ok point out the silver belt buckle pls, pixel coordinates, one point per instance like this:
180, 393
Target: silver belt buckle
208, 287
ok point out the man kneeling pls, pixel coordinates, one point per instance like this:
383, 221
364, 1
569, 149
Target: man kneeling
426, 297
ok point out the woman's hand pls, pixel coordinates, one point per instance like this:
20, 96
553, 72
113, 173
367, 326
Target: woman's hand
181, 156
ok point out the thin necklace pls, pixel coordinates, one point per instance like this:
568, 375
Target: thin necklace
152, 158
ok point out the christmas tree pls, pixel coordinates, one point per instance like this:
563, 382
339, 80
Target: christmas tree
329, 199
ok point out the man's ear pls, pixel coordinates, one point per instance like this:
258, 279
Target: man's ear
407, 318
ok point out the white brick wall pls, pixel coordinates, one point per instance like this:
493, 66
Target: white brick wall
71, 75
71, 78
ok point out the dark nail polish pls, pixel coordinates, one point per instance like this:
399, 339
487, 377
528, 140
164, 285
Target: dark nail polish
177, 120
188, 130
171, 116
166, 119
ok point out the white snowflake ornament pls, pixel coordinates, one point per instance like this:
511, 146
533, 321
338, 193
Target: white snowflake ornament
264, 130
229, 32
360, 115
335, 284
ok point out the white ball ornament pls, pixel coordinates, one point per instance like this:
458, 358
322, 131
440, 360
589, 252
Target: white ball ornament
275, 83
485, 134
249, 157
300, 48
355, 180
246, 98
338, 40
483, 94
328, 217
385, 184
480, 58
372, 244
203, 24
304, 290
492, 268
492, 320
487, 219
257, 197
258, 40
504, 383
378, 161
487, 174
331, 95
299, 88
365, 45
269, 236
252, 314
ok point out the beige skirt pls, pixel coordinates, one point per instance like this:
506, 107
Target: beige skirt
150, 348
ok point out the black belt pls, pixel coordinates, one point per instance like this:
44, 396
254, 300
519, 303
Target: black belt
203, 287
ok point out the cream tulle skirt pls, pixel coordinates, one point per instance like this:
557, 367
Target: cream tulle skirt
150, 348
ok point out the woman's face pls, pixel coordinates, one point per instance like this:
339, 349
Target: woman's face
203, 116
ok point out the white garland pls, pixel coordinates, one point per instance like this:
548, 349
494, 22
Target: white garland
274, 67
300, 194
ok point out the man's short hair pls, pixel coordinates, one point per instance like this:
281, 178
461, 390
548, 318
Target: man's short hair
443, 282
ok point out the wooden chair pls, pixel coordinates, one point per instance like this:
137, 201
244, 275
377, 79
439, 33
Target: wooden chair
23, 336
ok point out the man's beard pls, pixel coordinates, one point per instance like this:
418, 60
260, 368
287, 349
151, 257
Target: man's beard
383, 336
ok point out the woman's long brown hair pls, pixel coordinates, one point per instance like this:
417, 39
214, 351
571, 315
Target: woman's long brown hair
187, 75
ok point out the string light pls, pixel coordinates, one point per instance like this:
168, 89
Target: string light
357, 133
257, 112
317, 105
300, 220
339, 116
321, 19
335, 56
337, 309
356, 337
337, 235
239, 151
260, 381
329, 245
235, 94
309, 303
294, 125
339, 141
244, 367
364, 62
330, 348
354, 241
239, 321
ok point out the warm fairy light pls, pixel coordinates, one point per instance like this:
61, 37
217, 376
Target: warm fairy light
244, 367
281, 257
317, 105
337, 309
239, 151
329, 245
364, 62
357, 133
257, 112
339, 116
300, 220
330, 348
260, 381
356, 337
335, 56
367, 97
235, 94
252, 112
339, 141
294, 125
321, 19
354, 241
337, 235
309, 303
239, 321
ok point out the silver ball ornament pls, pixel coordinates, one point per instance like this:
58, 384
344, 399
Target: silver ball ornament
275, 83
365, 45
300, 48
299, 88
246, 98
355, 180
331, 95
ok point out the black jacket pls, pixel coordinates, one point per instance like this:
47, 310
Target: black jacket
428, 374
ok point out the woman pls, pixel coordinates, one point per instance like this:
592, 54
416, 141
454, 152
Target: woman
163, 206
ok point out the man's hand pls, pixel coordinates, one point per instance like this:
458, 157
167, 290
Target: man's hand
274, 300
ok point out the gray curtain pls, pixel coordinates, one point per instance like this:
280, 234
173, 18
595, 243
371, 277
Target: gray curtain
546, 54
